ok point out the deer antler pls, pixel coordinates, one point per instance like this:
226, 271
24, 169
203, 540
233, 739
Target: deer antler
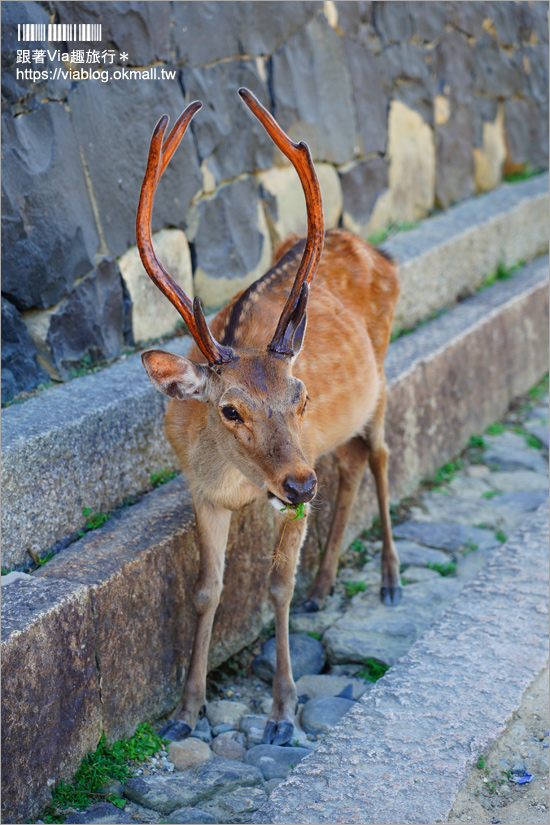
299, 155
158, 160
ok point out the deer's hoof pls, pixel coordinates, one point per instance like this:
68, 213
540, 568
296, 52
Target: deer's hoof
391, 596
174, 730
310, 606
278, 733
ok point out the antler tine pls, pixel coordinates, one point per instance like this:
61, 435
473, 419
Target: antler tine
300, 157
159, 157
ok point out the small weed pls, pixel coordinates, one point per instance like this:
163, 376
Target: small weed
353, 588
314, 635
532, 441
5, 571
40, 562
477, 442
480, 764
496, 429
508, 773
540, 390
162, 477
374, 670
448, 569
522, 174
469, 547
357, 546
502, 273
296, 743
445, 474
491, 494
383, 234
403, 582
93, 520
107, 763
500, 536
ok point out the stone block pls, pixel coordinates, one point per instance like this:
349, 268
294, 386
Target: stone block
231, 140
368, 95
40, 149
406, 77
412, 160
20, 369
205, 29
51, 704
87, 325
141, 30
311, 86
230, 240
362, 184
393, 22
454, 158
152, 314
285, 203
494, 71
489, 158
452, 65
95, 108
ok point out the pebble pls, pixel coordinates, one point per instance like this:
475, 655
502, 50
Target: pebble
444, 535
223, 728
191, 787
225, 712
253, 725
188, 752
325, 684
228, 748
202, 731
275, 761
307, 655
515, 459
414, 574
320, 714
102, 813
236, 806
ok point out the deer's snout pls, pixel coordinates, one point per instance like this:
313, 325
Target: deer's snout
300, 491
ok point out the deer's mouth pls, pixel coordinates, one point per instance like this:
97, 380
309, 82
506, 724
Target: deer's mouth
277, 502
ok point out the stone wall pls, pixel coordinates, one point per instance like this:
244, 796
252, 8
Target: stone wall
407, 107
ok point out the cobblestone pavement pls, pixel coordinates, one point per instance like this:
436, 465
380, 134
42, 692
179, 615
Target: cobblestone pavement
444, 536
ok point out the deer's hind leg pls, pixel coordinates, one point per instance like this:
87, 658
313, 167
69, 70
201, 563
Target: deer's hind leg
352, 460
280, 725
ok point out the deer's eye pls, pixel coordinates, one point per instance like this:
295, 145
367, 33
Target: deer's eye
305, 405
231, 414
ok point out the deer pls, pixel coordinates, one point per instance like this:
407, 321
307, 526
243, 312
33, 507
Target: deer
249, 416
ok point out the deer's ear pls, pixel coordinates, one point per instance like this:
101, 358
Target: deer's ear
174, 375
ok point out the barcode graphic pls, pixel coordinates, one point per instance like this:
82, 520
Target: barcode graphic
63, 32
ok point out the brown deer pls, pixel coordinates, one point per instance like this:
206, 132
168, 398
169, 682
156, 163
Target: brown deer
249, 416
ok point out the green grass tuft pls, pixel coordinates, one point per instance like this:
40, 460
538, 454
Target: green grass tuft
373, 671
353, 588
162, 477
448, 569
500, 536
491, 494
93, 520
98, 769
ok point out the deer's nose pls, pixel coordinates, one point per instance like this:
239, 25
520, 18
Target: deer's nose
300, 492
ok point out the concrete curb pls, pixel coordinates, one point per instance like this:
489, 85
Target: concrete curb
402, 752
452, 254
139, 569
95, 441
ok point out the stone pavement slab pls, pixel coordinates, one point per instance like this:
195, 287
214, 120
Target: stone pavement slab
403, 750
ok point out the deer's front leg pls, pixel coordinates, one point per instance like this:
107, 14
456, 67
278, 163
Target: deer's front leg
212, 528
280, 725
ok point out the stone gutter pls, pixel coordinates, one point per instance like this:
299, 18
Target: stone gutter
95, 441
99, 638
401, 754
